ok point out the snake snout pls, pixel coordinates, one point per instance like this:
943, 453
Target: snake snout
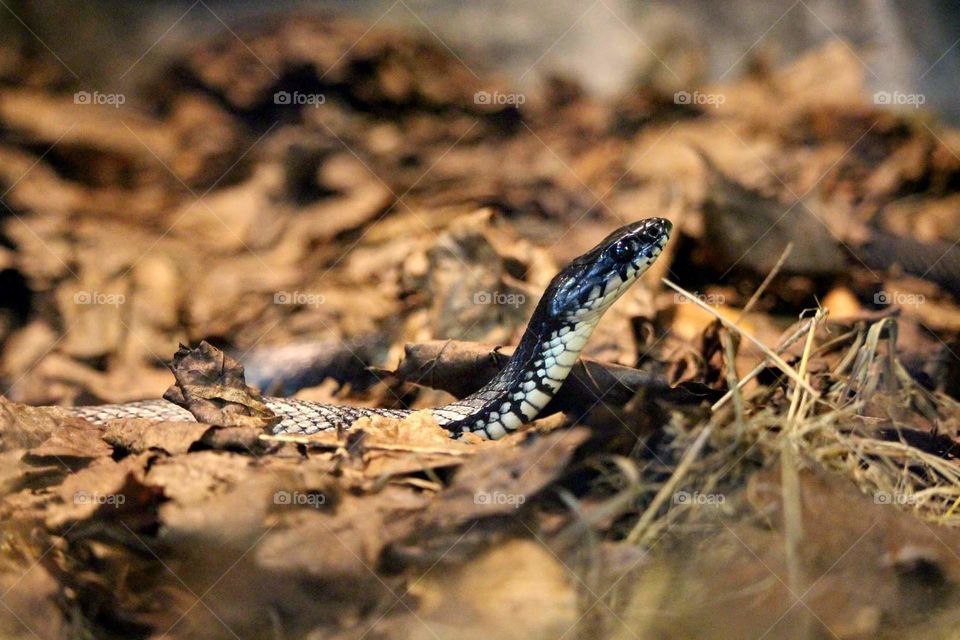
658, 228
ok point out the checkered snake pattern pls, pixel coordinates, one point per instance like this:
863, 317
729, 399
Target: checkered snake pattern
559, 328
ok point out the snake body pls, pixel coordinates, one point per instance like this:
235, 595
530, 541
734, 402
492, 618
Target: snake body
560, 326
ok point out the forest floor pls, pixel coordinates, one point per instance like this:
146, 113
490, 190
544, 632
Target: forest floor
318, 182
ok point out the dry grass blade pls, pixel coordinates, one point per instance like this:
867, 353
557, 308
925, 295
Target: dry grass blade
732, 381
773, 357
766, 282
638, 531
790, 481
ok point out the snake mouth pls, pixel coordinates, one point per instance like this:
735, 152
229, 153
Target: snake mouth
658, 231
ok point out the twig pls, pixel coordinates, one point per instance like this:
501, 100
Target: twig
766, 282
668, 487
804, 363
732, 382
790, 484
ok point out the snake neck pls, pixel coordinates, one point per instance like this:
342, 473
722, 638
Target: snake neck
530, 379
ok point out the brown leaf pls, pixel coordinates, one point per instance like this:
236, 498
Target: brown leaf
211, 386
30, 604
22, 426
520, 576
15, 474
501, 479
70, 445
137, 436
486, 494
196, 477
748, 227
103, 491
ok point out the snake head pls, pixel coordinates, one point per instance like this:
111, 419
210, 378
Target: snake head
594, 281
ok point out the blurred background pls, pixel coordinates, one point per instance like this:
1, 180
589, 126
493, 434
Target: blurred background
315, 186
606, 45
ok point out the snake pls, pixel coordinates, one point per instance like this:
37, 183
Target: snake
561, 323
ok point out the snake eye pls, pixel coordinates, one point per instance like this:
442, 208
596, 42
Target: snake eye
651, 235
625, 250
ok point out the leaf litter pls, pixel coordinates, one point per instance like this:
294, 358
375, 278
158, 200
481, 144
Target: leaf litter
724, 462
